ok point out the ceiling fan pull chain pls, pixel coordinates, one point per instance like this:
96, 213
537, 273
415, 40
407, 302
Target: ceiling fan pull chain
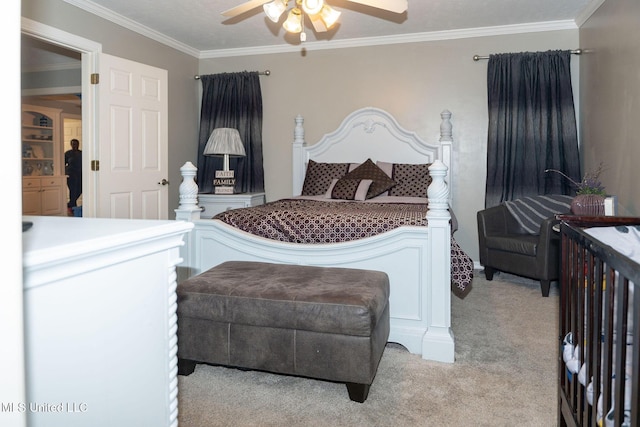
303, 35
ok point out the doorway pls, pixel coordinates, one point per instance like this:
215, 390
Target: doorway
145, 136
51, 84
68, 85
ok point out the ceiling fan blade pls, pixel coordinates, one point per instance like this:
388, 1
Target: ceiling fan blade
395, 6
318, 23
244, 7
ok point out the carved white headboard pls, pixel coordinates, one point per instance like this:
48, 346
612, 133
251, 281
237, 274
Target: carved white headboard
371, 133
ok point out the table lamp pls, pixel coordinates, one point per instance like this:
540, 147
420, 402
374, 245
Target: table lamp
224, 142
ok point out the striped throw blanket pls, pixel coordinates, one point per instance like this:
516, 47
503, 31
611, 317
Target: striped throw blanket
531, 211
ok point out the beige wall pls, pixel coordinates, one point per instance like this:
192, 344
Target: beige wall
414, 81
118, 41
610, 102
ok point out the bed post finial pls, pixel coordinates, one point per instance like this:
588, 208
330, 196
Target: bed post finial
299, 161
445, 126
298, 131
188, 208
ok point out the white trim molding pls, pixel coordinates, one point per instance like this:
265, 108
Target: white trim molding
395, 39
59, 37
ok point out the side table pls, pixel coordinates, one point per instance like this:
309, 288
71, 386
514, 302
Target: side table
213, 204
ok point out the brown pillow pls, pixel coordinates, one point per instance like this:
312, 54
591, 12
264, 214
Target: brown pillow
369, 170
411, 180
319, 177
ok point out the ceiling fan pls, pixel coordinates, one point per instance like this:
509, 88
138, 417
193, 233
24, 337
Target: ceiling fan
321, 15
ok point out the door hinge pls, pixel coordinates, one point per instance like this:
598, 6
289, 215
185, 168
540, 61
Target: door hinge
95, 78
95, 165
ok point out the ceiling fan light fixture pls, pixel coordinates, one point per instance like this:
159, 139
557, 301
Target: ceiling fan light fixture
312, 7
329, 15
293, 24
275, 9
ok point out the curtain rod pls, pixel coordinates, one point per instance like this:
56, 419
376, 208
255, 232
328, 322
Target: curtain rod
262, 73
479, 57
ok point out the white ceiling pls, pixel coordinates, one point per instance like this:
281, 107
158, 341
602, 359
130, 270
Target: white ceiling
196, 26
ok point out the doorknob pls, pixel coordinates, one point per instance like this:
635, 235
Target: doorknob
164, 182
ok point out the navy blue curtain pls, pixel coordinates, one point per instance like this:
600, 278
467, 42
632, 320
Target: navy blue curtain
232, 100
532, 126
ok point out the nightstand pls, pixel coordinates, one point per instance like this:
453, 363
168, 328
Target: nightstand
213, 204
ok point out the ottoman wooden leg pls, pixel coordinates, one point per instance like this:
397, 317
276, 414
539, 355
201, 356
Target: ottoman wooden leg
358, 392
186, 367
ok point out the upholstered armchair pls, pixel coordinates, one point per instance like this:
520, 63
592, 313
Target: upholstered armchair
505, 245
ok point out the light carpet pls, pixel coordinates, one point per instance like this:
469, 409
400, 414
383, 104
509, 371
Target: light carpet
504, 375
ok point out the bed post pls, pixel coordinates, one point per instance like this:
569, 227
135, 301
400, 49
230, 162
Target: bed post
438, 343
188, 210
446, 141
298, 156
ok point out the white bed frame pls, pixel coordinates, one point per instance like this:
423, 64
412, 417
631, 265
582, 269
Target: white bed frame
417, 259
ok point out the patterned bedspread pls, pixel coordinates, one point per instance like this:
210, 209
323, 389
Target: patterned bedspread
314, 221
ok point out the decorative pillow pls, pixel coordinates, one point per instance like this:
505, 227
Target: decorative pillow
369, 170
348, 189
319, 177
412, 180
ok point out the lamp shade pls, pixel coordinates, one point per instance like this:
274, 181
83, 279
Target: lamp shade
293, 24
275, 9
311, 7
329, 15
224, 142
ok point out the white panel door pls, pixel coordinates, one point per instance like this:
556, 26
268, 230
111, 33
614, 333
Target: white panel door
133, 140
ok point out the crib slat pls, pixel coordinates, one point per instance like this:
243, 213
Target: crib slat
622, 293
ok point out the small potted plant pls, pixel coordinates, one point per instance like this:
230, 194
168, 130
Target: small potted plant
590, 194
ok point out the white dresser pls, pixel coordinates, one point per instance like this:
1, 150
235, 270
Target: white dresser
100, 321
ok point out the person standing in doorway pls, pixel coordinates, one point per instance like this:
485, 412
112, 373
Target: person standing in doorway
73, 170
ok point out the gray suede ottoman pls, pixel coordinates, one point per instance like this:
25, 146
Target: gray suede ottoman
325, 323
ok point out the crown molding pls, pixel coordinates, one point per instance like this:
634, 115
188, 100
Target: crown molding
396, 39
132, 25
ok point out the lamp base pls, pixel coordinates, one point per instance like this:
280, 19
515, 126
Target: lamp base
223, 189
224, 182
